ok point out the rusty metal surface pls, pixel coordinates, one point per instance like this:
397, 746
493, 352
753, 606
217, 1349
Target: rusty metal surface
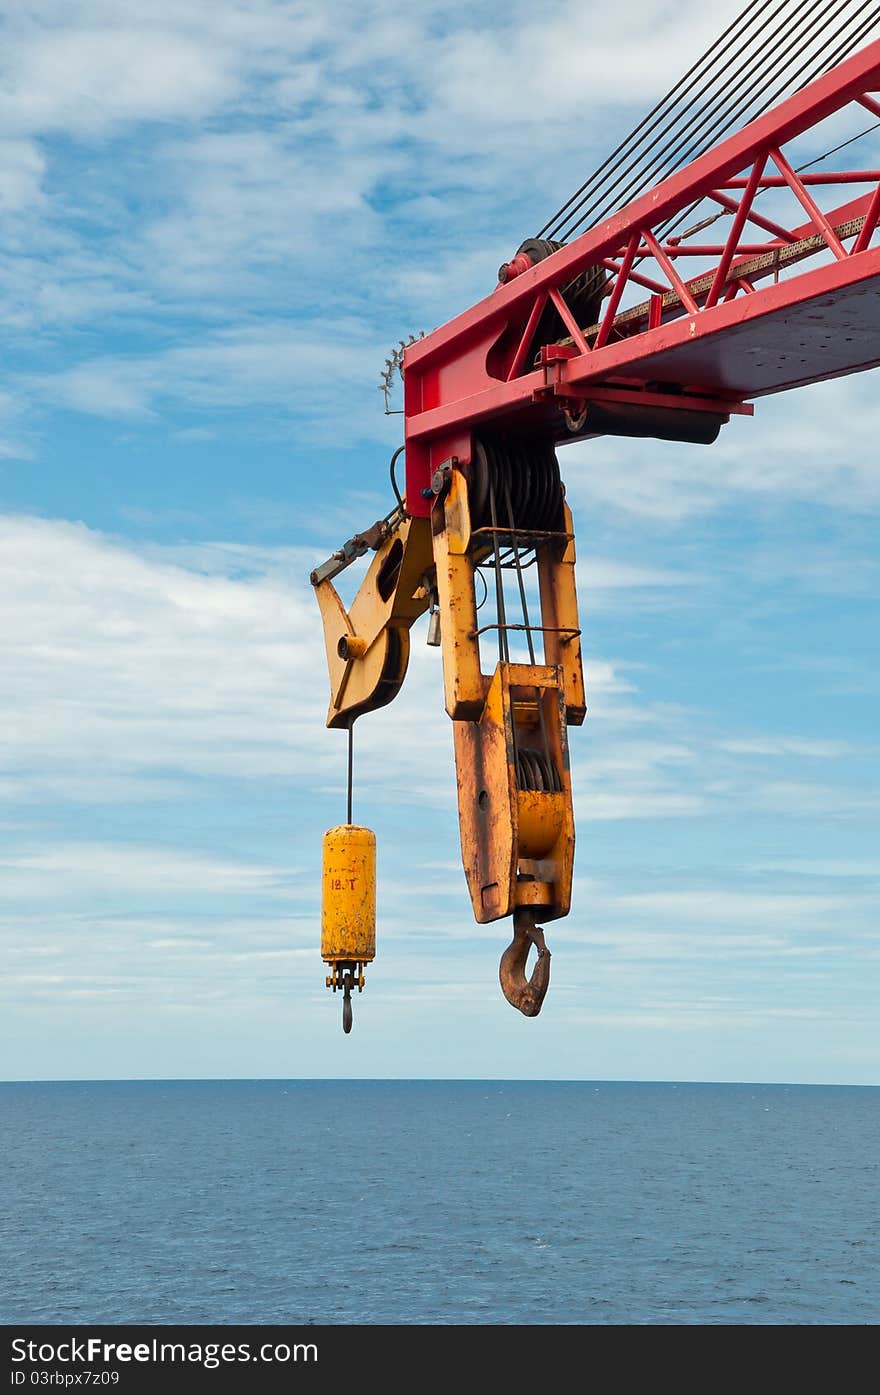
465, 687
348, 895
517, 844
559, 616
368, 648
525, 994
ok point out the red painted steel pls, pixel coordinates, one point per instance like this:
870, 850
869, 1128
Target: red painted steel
816, 214
871, 217
776, 181
762, 318
759, 221
624, 270
739, 222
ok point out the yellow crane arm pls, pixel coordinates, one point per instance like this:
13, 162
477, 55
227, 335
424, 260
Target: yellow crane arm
368, 646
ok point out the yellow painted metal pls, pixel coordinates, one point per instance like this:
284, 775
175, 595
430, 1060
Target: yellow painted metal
517, 845
348, 895
540, 819
464, 684
368, 646
455, 555
559, 613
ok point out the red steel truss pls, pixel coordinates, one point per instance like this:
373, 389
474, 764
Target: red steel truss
763, 318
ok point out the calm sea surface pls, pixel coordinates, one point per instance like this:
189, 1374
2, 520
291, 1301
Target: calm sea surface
438, 1202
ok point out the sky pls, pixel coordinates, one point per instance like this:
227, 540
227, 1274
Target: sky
216, 219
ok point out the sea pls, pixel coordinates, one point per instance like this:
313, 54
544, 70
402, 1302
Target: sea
439, 1203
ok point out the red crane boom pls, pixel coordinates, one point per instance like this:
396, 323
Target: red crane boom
678, 363
569, 346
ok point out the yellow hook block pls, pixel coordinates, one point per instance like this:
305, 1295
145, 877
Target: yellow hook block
348, 897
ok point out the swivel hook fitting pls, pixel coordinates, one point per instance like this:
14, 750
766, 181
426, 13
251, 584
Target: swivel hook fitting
347, 985
525, 994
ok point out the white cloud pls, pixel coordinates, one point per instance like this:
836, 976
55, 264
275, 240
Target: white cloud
828, 867
282, 365
117, 664
241, 203
219, 205
598, 575
130, 671
779, 455
83, 78
22, 167
70, 872
803, 797
728, 906
125, 666
316, 131
810, 749
295, 162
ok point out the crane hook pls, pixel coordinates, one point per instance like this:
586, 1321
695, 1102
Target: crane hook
525, 994
347, 982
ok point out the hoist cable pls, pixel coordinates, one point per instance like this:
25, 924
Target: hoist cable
545, 738
667, 230
807, 37
669, 227
730, 107
746, 85
711, 56
602, 194
350, 765
503, 648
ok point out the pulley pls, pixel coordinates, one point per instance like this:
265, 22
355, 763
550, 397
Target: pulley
522, 476
583, 295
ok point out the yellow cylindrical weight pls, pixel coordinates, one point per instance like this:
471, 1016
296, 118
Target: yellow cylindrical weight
348, 897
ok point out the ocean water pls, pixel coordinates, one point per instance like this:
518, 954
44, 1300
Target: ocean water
434, 1202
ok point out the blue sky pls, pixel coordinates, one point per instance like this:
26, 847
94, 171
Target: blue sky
215, 220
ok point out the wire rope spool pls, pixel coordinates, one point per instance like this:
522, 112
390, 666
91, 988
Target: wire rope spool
521, 473
537, 771
583, 295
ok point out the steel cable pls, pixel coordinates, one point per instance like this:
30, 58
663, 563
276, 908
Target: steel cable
747, 86
603, 194
731, 108
710, 57
728, 110
847, 47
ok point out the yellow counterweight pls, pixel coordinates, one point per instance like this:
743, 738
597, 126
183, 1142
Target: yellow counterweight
348, 909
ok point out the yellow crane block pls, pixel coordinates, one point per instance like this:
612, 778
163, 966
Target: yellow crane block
348, 909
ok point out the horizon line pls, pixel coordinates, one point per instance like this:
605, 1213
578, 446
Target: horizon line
427, 1080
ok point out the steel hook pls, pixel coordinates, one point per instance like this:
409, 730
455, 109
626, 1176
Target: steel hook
346, 1003
525, 994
